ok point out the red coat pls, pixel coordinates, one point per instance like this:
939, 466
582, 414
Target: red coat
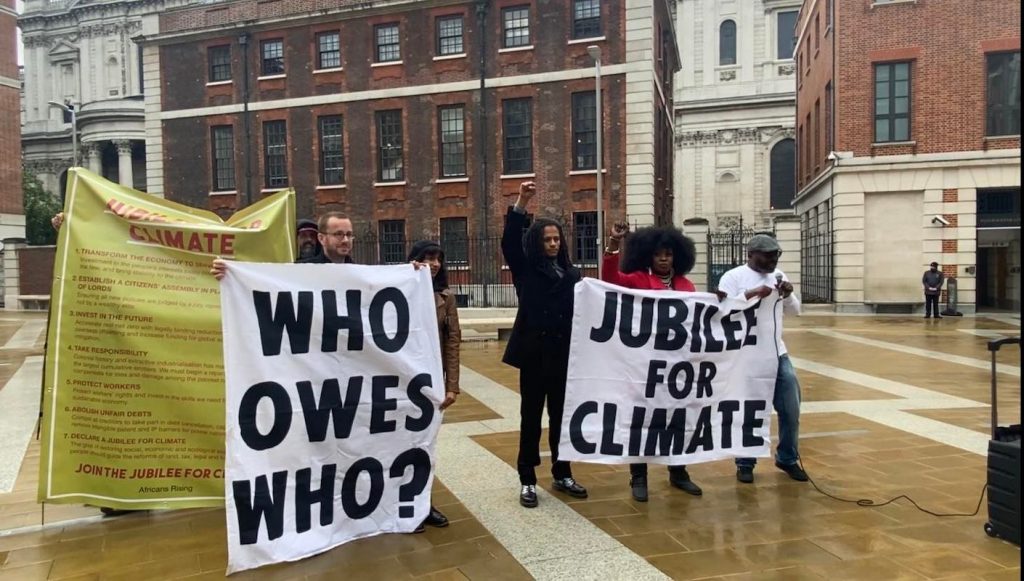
641, 279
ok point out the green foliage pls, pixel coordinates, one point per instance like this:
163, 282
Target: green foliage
40, 207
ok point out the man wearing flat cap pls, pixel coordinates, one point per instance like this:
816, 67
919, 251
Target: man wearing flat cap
761, 278
932, 281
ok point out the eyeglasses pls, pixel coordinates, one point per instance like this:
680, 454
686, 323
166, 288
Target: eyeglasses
342, 235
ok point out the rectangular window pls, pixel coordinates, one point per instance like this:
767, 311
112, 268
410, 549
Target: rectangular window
828, 14
817, 135
516, 26
389, 146
223, 145
817, 32
584, 131
584, 227
829, 145
451, 127
332, 151
275, 154
785, 29
455, 240
328, 49
892, 102
1002, 115
517, 127
449, 35
392, 241
388, 48
219, 58
586, 18
272, 52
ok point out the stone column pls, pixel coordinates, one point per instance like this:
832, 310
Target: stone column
12, 276
124, 163
697, 229
787, 232
91, 153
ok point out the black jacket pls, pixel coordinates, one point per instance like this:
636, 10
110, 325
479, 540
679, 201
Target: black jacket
321, 259
544, 320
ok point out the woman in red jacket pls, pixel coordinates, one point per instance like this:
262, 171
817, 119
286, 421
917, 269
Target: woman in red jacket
655, 258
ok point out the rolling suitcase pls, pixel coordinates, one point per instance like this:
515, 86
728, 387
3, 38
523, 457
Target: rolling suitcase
1003, 467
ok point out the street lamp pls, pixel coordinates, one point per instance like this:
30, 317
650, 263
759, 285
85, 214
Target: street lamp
69, 109
595, 53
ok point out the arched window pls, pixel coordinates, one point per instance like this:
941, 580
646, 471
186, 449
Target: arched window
727, 43
783, 163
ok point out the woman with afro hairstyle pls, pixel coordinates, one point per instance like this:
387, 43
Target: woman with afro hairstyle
544, 278
655, 258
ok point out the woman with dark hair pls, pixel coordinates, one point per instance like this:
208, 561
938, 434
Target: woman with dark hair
655, 258
544, 278
429, 253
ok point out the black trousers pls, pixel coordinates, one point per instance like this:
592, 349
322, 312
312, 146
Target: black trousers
539, 382
931, 305
641, 470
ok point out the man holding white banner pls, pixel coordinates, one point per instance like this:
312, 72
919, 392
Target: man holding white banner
760, 277
666, 377
333, 385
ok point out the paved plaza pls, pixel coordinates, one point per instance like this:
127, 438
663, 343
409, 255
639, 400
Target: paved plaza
891, 405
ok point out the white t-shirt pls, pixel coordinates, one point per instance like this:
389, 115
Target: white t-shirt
739, 280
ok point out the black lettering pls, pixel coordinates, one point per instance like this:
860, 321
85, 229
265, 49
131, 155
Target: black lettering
626, 322
636, 430
349, 502
705, 373
673, 384
576, 427
352, 321
671, 319
273, 321
696, 343
380, 337
727, 408
751, 316
666, 438
253, 509
382, 404
654, 376
751, 422
711, 344
248, 429
702, 433
731, 327
305, 498
318, 414
608, 445
611, 306
420, 400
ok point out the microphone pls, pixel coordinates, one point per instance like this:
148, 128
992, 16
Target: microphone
778, 279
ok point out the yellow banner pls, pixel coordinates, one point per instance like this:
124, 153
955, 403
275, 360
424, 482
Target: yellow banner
133, 410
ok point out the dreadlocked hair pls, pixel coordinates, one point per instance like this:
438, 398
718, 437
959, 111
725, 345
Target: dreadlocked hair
645, 242
533, 245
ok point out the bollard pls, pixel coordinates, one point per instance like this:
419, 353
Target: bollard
951, 300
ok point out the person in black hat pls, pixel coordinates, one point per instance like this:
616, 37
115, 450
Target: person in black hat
430, 253
760, 277
306, 239
932, 282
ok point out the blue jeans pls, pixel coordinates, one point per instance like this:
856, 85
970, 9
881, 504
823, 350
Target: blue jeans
787, 404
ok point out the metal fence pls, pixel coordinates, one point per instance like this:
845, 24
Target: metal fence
817, 280
477, 273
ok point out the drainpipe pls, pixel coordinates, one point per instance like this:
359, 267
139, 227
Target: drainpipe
483, 136
243, 41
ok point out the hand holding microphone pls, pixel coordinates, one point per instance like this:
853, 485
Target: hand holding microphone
784, 287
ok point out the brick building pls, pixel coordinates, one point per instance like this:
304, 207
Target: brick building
12, 218
908, 150
416, 118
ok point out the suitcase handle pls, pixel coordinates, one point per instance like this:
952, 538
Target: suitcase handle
996, 344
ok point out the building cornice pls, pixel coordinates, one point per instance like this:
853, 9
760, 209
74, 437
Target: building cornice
736, 102
763, 135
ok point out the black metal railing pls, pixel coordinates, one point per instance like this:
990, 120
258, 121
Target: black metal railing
817, 279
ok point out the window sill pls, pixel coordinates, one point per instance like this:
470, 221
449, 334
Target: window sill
337, 187
271, 77
387, 64
273, 190
517, 176
448, 57
585, 40
727, 67
1002, 137
587, 172
387, 184
878, 3
461, 180
894, 144
219, 83
223, 193
334, 70
515, 49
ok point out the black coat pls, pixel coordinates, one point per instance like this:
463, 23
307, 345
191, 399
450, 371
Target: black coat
540, 334
321, 259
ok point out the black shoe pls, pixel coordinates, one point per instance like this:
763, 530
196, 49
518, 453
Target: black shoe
108, 512
436, 519
745, 474
681, 480
938, 316
528, 496
794, 471
570, 487
638, 486
419, 529
927, 316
